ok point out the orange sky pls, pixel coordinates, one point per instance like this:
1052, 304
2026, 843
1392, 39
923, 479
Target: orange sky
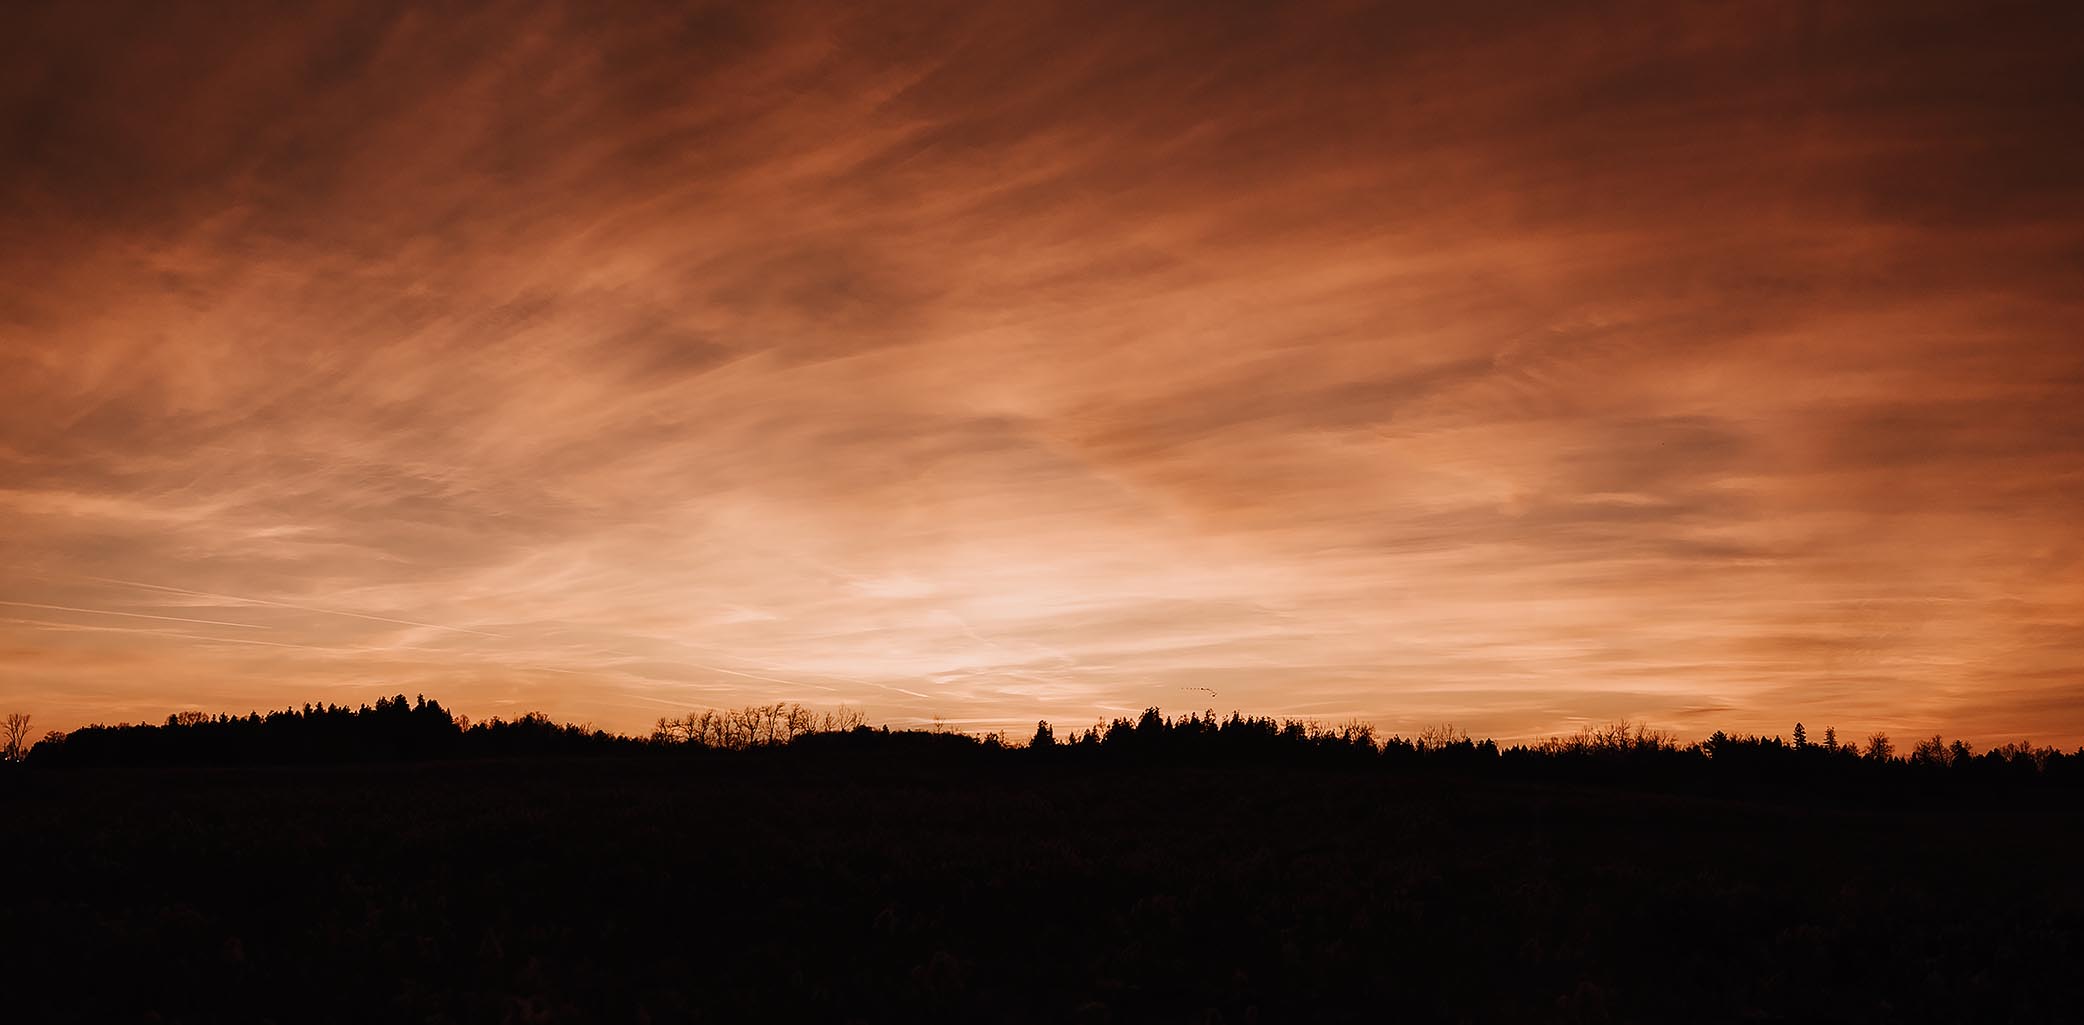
1713, 365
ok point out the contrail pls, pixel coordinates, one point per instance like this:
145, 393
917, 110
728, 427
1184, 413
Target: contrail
148, 632
329, 649
288, 605
408, 622
749, 676
617, 653
132, 615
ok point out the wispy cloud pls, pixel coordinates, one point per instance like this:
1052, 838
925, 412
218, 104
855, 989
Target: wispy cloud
129, 615
1517, 366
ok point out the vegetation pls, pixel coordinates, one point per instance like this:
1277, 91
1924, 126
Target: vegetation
395, 729
754, 726
14, 737
394, 863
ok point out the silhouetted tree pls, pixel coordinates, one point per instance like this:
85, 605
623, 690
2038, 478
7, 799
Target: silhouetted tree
1440, 736
753, 726
14, 737
395, 728
1879, 749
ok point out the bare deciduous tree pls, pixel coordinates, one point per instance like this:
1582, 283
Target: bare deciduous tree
1879, 749
1439, 736
800, 721
754, 725
16, 737
745, 725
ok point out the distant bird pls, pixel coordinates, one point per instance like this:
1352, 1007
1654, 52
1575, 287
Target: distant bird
1210, 691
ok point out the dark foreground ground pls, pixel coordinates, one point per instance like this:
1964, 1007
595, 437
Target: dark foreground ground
751, 890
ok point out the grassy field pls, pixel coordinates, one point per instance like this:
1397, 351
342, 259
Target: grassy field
793, 888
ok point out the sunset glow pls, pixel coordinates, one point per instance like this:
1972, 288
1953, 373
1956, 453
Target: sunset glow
1710, 365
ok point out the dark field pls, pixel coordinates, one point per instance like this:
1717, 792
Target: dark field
759, 889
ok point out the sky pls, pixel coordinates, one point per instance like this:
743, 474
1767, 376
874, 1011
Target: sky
1516, 365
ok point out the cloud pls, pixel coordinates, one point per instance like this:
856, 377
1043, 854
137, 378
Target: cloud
1511, 364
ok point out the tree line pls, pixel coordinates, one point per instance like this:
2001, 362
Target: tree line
393, 729
754, 726
1618, 750
398, 729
